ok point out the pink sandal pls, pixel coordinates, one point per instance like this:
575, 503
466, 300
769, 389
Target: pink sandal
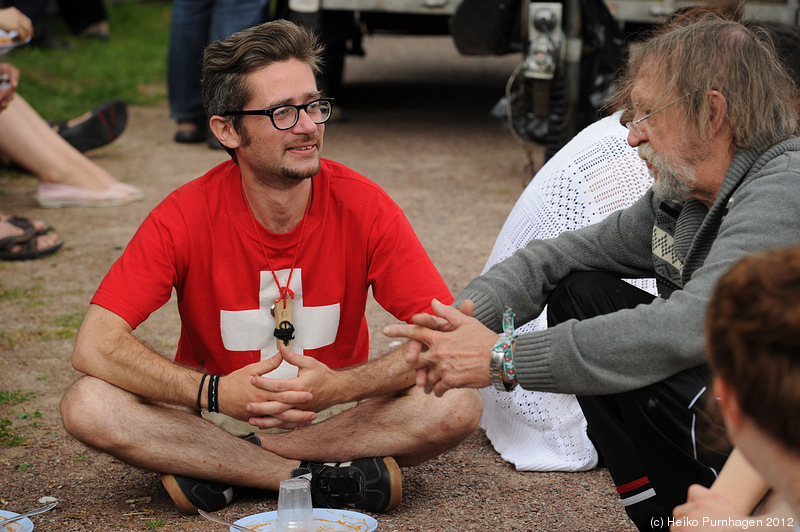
55, 195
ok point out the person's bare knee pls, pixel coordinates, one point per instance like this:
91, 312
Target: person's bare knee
444, 422
87, 410
459, 417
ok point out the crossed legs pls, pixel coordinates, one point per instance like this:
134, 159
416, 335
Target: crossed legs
411, 427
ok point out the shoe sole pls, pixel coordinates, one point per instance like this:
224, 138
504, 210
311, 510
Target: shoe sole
396, 482
175, 492
38, 253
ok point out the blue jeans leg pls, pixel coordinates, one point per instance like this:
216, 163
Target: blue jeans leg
194, 24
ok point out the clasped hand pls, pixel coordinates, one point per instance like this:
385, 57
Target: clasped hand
448, 350
277, 403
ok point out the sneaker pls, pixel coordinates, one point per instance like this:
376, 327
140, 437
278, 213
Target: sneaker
371, 484
189, 494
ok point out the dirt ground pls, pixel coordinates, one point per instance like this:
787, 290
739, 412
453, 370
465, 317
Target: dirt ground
415, 118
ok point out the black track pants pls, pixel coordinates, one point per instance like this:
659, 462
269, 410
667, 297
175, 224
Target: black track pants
658, 440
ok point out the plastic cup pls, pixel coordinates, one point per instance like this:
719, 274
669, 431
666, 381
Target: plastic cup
295, 511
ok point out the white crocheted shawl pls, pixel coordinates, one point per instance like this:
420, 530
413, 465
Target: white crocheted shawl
596, 173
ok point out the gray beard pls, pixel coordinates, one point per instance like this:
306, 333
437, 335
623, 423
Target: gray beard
673, 182
671, 187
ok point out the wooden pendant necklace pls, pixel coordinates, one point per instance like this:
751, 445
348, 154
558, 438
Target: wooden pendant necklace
282, 309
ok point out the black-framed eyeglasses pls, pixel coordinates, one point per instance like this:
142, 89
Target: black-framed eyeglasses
285, 116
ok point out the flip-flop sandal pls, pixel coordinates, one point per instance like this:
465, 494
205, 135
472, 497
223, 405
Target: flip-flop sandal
29, 249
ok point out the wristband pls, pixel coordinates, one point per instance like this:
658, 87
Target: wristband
213, 391
502, 361
508, 364
200, 391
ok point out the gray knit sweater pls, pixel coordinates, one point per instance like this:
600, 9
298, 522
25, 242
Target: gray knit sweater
757, 208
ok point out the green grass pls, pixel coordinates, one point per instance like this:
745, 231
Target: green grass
15, 397
16, 293
8, 436
62, 84
154, 523
67, 325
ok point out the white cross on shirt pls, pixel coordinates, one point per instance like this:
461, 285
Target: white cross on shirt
252, 330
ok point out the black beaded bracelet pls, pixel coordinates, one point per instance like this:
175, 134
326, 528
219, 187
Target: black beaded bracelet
213, 390
200, 391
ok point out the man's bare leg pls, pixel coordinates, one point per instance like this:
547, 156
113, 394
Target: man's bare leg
410, 427
166, 439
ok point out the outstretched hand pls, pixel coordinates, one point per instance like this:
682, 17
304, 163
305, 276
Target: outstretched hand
450, 349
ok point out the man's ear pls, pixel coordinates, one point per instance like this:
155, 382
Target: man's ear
719, 109
729, 404
223, 129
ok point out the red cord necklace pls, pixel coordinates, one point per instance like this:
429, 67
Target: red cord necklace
282, 309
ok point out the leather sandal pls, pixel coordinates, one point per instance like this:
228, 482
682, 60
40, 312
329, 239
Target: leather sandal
27, 242
25, 224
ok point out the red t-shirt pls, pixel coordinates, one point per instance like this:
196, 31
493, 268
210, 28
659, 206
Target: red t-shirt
200, 241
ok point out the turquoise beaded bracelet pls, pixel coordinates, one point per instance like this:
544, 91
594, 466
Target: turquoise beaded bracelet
502, 361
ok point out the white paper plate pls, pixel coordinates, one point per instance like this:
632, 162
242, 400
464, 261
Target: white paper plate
327, 520
23, 525
7, 41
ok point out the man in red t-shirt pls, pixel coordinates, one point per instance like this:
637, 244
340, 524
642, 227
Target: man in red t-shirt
271, 256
